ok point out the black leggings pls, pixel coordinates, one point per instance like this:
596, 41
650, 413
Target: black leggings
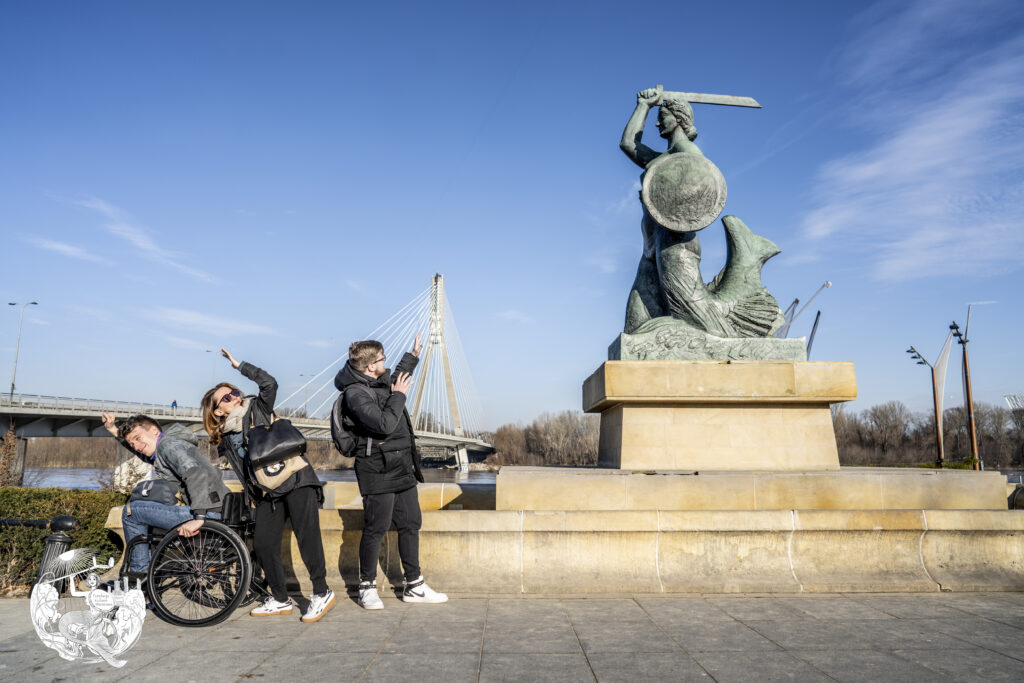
301, 505
379, 510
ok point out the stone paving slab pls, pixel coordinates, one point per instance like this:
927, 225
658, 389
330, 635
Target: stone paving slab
840, 637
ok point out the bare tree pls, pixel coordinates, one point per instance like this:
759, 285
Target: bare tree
888, 425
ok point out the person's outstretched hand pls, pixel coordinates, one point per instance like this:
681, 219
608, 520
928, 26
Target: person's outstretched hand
109, 423
234, 363
417, 345
402, 383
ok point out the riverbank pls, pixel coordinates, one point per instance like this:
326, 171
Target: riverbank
101, 452
863, 637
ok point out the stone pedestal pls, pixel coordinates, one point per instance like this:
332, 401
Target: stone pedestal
850, 488
711, 415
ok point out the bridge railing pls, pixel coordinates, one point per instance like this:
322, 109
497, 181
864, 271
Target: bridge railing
66, 404
58, 406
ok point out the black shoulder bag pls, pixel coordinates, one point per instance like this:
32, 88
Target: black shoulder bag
275, 442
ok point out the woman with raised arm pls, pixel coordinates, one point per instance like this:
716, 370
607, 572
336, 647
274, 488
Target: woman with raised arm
228, 415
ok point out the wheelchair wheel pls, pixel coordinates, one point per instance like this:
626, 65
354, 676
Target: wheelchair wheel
199, 581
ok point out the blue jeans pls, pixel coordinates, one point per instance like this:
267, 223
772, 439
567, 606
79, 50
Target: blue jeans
145, 514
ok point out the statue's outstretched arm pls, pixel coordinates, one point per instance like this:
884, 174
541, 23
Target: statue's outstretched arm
639, 153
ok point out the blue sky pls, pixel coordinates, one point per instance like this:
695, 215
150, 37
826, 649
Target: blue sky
278, 178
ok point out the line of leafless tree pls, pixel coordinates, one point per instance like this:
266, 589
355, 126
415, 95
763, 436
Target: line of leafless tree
568, 439
885, 435
890, 434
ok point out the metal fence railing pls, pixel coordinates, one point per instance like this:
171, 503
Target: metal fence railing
317, 428
66, 404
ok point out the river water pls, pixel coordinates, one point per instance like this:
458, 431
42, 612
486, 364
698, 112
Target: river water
88, 478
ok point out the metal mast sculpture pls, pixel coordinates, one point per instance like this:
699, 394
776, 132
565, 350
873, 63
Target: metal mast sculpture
938, 385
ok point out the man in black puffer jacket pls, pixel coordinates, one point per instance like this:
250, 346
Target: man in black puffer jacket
387, 465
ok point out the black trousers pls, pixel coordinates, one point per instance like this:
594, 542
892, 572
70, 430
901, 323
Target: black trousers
379, 511
301, 505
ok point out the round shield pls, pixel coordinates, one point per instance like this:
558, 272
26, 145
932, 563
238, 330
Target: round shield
683, 192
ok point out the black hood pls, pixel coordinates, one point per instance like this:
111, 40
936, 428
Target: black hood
349, 375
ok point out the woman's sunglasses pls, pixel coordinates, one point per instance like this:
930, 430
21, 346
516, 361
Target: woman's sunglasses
230, 395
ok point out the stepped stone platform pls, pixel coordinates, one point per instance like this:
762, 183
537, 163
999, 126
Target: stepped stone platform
661, 551
664, 519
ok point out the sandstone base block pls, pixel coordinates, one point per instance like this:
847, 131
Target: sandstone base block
654, 551
711, 415
344, 495
849, 488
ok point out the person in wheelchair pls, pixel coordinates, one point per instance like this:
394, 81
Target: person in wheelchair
292, 491
175, 456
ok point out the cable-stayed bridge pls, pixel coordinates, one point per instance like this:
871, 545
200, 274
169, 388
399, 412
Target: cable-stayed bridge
443, 401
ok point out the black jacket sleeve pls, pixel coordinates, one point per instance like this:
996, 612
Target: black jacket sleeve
407, 364
368, 416
264, 380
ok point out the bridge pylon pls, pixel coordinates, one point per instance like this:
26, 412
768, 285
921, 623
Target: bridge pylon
436, 347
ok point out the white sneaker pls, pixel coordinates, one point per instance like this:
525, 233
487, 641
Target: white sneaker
368, 598
419, 591
272, 607
318, 606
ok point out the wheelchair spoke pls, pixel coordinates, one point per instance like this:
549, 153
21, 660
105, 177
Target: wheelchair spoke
199, 580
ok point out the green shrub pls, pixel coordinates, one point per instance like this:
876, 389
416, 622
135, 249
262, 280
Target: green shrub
21, 548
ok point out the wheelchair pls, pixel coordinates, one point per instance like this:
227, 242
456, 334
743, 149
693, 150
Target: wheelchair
201, 580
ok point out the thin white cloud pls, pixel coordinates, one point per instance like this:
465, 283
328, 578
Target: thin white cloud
218, 326
142, 240
38, 321
184, 343
353, 285
940, 190
97, 313
318, 343
604, 261
893, 41
515, 315
109, 210
65, 249
628, 200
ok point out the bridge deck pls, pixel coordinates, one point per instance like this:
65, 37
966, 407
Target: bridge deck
42, 416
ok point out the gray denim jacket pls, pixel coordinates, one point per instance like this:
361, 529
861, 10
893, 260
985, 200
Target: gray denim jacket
179, 459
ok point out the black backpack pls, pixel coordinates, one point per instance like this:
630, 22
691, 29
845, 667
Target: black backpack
344, 440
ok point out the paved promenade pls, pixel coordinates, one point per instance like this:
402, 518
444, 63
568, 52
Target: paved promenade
875, 637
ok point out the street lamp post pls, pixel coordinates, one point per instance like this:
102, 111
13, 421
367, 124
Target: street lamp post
916, 355
968, 396
17, 345
213, 366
